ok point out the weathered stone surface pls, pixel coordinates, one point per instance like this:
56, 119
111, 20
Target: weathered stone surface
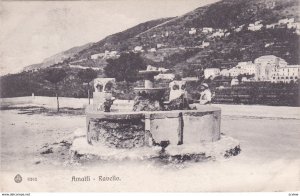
145, 104
118, 133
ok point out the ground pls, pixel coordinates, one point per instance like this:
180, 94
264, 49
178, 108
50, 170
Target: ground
35, 141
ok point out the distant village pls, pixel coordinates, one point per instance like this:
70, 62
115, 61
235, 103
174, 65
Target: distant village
269, 68
211, 33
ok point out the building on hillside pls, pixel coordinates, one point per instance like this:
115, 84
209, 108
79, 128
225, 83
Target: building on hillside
269, 44
255, 27
245, 79
266, 65
96, 56
218, 34
234, 72
138, 49
286, 74
234, 81
204, 44
211, 72
159, 45
192, 31
152, 50
110, 54
162, 70
224, 72
271, 26
293, 25
248, 67
207, 30
286, 20
238, 29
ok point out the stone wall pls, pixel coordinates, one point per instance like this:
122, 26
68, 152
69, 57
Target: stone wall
116, 132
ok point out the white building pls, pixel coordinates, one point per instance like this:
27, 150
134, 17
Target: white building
225, 72
211, 72
192, 31
269, 44
218, 34
96, 56
286, 74
138, 49
294, 25
234, 72
286, 20
238, 29
111, 54
271, 26
152, 50
162, 70
204, 44
234, 81
207, 30
244, 79
254, 27
247, 67
159, 45
266, 65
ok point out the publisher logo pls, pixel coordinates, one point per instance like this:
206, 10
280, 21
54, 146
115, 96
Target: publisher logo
18, 178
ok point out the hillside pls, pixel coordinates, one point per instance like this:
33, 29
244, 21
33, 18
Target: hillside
216, 35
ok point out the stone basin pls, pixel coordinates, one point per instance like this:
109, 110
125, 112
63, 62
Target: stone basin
128, 129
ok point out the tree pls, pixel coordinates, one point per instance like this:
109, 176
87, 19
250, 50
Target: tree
54, 76
125, 68
86, 76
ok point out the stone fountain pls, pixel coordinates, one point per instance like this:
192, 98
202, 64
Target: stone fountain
152, 128
148, 97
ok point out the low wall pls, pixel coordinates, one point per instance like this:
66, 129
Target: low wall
50, 102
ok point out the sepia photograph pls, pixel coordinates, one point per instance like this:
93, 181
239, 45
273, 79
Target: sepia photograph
181, 96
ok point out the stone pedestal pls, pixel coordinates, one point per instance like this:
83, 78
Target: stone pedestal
103, 92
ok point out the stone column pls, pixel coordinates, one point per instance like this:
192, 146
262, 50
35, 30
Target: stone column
148, 84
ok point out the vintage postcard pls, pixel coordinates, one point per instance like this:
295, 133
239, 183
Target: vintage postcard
150, 96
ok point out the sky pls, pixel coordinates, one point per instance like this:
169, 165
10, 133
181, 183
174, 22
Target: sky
31, 31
